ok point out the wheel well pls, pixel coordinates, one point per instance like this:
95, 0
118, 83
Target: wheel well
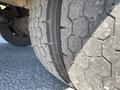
13, 11
10, 13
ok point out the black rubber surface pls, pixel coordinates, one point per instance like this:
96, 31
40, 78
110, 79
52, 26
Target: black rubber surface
14, 39
54, 37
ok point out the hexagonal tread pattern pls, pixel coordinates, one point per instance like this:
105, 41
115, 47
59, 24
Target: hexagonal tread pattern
89, 31
98, 62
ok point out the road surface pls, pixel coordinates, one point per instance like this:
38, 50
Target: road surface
21, 70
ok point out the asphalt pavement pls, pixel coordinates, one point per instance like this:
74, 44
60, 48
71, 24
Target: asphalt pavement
21, 70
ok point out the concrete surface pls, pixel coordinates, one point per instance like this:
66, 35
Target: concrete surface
21, 70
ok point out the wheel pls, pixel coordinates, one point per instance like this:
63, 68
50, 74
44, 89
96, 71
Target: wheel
16, 37
78, 41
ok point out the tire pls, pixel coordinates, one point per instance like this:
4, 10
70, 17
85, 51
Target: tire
17, 35
78, 41
16, 40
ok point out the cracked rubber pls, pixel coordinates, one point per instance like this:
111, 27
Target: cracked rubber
78, 41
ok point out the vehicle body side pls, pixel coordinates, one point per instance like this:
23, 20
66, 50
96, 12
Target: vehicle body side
20, 3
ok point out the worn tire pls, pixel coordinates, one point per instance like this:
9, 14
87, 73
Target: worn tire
60, 29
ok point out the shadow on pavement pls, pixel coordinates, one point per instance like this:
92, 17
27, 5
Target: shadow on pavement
20, 70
